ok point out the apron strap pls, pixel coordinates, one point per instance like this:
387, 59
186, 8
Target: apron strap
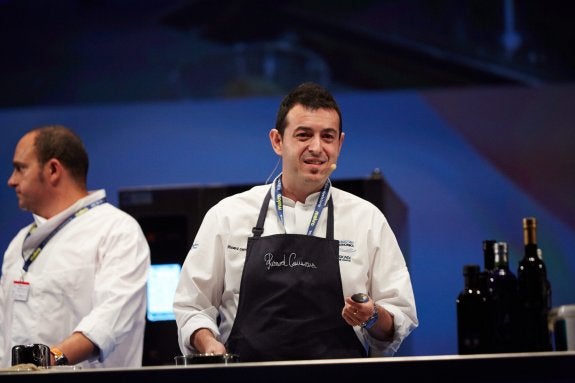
259, 228
329, 230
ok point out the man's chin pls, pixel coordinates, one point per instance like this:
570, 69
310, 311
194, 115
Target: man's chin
316, 171
315, 178
23, 206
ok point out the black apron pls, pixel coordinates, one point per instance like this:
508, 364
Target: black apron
291, 299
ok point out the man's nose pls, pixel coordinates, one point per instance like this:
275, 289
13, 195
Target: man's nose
315, 144
12, 180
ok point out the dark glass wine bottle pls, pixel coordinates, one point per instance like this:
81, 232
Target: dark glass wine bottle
502, 289
534, 294
471, 314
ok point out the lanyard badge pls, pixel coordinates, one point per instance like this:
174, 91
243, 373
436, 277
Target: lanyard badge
20, 291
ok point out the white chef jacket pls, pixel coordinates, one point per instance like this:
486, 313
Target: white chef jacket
369, 257
90, 277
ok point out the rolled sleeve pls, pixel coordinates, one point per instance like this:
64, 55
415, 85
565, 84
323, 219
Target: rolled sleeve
200, 288
119, 298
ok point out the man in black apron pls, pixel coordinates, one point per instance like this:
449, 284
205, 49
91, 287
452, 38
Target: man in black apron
291, 303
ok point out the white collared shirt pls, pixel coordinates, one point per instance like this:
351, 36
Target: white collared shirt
90, 277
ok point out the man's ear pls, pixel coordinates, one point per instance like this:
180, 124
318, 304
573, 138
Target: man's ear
276, 141
54, 169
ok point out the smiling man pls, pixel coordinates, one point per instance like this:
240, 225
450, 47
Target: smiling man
272, 271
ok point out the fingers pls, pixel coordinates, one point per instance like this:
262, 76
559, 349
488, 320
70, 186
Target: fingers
355, 313
351, 317
215, 348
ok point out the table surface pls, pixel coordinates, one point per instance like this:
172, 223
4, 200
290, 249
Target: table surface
556, 366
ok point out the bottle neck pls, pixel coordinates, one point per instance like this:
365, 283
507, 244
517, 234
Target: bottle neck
471, 281
501, 258
530, 237
471, 276
489, 250
532, 251
529, 231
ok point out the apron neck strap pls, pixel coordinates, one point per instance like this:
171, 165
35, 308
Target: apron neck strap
259, 228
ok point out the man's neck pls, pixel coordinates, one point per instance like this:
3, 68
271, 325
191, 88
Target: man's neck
62, 202
300, 191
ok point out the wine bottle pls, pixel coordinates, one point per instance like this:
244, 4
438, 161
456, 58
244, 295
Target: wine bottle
471, 306
534, 294
502, 289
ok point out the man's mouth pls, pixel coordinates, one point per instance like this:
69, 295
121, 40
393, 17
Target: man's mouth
314, 162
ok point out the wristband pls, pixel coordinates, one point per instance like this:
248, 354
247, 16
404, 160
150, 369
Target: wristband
372, 319
59, 357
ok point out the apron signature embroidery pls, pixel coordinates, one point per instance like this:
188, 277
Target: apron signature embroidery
286, 261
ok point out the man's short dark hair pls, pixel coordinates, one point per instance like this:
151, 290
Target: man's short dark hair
61, 143
311, 96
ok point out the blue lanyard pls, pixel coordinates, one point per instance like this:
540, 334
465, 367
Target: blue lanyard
41, 246
318, 206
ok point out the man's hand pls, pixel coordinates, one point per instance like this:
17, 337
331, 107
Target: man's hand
205, 342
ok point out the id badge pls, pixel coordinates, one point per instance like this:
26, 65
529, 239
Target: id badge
20, 291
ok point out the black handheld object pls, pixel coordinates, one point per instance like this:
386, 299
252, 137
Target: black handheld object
36, 353
360, 297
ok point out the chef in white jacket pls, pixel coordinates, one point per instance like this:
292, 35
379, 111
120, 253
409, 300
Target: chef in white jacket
75, 278
272, 270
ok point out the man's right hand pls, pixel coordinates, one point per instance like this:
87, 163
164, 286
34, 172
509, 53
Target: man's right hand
205, 342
